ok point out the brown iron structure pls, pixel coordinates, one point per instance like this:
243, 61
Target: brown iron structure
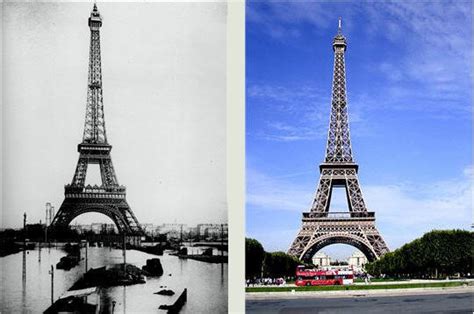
108, 198
321, 227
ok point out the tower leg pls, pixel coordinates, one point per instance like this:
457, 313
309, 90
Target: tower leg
81, 171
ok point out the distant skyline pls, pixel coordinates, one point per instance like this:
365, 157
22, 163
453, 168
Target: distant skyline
409, 81
164, 80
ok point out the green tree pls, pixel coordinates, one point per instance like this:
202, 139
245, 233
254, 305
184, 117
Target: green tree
280, 264
438, 253
254, 255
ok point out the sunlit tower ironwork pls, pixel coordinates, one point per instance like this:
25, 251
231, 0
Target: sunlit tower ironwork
319, 226
109, 198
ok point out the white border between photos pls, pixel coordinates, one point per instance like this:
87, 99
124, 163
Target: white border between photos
236, 152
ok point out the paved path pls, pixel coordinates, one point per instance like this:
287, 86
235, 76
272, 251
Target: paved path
357, 293
413, 281
457, 302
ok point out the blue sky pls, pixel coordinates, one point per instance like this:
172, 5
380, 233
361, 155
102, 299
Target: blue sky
409, 80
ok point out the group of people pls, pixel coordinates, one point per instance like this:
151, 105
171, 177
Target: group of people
366, 277
266, 281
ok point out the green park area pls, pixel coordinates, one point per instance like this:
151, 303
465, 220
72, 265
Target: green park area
447, 284
438, 254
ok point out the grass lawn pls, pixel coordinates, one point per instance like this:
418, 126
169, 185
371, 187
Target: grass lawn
380, 279
358, 287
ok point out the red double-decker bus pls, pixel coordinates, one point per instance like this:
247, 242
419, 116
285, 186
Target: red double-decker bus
318, 277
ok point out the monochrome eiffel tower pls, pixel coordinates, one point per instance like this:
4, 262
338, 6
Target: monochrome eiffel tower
108, 198
321, 227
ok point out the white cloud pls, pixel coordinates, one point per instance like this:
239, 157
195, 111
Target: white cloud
289, 99
302, 111
274, 239
282, 132
271, 193
403, 211
433, 66
282, 18
441, 204
299, 112
430, 69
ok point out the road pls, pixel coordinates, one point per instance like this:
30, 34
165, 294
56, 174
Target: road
424, 303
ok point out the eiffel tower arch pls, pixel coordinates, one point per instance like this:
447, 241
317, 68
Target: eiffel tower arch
320, 227
109, 198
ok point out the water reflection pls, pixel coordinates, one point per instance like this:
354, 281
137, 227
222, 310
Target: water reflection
222, 274
124, 299
29, 282
23, 280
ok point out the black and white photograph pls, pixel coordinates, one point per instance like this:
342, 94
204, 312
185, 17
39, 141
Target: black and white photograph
114, 158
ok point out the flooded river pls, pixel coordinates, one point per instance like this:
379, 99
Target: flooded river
26, 282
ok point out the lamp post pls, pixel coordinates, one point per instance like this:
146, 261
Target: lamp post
222, 241
51, 272
24, 231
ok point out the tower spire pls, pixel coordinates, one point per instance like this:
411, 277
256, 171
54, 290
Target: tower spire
338, 149
94, 127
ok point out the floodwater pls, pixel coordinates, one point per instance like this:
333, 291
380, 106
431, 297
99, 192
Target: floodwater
26, 282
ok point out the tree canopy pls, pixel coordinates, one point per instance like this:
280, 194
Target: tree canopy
280, 264
437, 253
254, 255
269, 264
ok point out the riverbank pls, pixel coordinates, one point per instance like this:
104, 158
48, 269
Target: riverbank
155, 249
216, 259
9, 248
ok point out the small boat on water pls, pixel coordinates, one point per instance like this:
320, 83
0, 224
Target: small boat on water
67, 262
77, 301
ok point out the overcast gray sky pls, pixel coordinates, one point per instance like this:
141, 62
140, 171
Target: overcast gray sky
164, 78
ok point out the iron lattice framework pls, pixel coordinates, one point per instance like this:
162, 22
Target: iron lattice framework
109, 198
321, 227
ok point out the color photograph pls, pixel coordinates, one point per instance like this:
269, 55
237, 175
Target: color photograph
358, 156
